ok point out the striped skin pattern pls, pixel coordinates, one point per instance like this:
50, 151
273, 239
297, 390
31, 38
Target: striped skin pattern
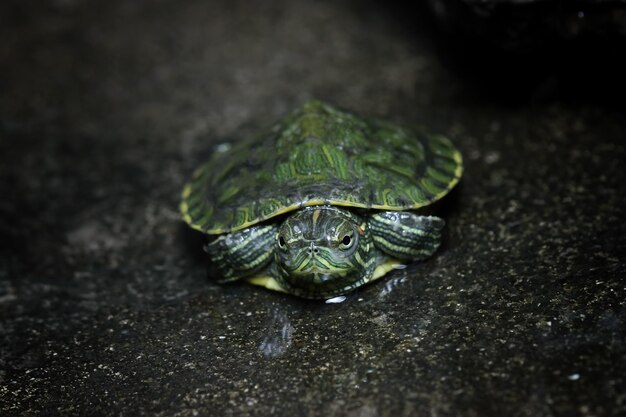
319, 155
405, 235
324, 251
243, 253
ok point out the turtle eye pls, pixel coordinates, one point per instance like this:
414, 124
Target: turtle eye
281, 241
346, 242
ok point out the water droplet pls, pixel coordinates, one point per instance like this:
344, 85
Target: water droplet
336, 300
223, 147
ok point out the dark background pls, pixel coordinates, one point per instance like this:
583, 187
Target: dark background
105, 304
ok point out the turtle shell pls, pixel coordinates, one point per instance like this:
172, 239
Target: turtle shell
319, 155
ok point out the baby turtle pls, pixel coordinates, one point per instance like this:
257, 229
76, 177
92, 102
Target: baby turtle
323, 202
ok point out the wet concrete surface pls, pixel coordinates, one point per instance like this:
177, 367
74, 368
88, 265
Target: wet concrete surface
105, 303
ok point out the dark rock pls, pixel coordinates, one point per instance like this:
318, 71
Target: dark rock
105, 305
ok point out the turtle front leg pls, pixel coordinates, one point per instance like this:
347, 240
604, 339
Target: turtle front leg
405, 235
241, 254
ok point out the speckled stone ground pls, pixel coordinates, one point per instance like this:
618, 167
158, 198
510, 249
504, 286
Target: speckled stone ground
105, 304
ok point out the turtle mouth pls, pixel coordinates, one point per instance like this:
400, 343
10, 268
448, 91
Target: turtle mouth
315, 265
317, 275
317, 271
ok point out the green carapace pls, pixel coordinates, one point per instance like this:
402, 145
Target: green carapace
322, 202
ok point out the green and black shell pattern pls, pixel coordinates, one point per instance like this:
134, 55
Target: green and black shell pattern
319, 155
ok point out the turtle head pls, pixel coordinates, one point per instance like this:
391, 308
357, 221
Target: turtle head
321, 250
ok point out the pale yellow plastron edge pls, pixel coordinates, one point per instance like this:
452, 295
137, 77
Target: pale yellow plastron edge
267, 282
382, 269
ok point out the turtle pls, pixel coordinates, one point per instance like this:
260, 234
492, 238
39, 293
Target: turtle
322, 202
